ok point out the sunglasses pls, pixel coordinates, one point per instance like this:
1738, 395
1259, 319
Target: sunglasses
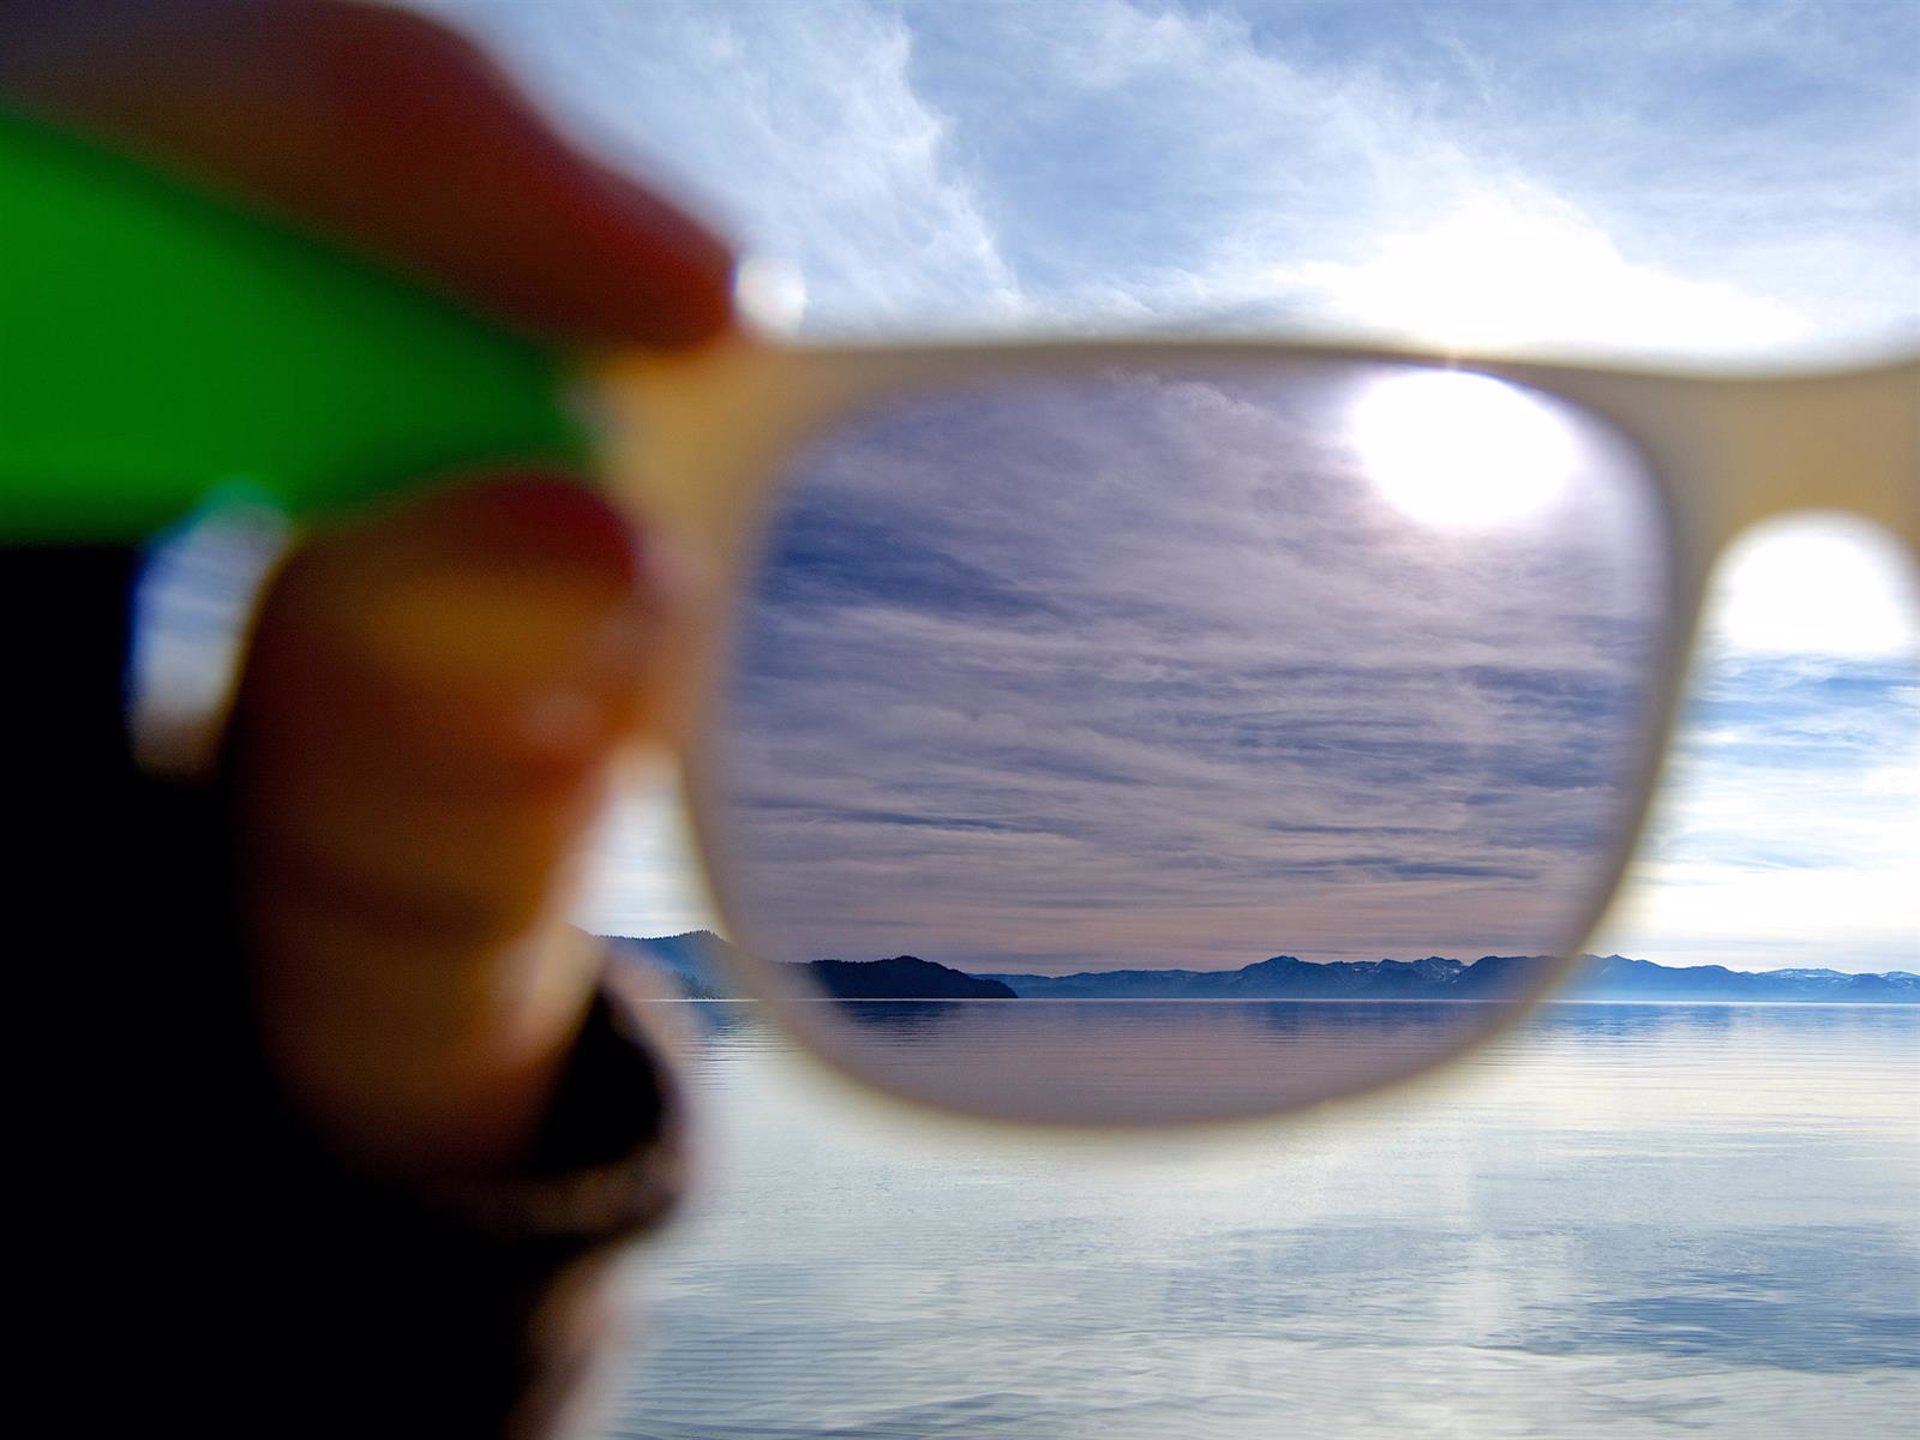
1087, 733
1125, 733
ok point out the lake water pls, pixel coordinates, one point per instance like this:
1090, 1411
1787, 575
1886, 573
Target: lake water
1621, 1221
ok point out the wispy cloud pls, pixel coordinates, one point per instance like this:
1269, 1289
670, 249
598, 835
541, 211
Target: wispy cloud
1714, 178
1144, 671
1514, 269
797, 127
1702, 178
1790, 828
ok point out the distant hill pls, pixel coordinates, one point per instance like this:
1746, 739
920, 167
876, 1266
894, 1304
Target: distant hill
693, 961
1286, 977
696, 960
904, 977
1615, 977
1610, 977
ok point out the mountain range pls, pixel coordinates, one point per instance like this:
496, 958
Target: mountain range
696, 961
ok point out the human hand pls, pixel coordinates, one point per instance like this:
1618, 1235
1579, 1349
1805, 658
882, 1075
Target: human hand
437, 694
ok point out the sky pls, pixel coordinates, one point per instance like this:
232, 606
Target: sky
1703, 182
1148, 668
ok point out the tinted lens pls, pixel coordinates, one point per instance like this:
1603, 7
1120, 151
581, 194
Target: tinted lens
1154, 745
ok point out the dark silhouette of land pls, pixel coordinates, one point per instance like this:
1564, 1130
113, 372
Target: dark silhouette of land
697, 962
904, 977
1286, 978
1492, 977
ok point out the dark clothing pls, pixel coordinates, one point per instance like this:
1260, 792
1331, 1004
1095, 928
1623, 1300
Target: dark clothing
218, 1270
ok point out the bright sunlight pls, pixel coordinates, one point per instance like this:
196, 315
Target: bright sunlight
1460, 451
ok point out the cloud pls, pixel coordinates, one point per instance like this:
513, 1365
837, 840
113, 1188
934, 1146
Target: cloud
1790, 831
1511, 269
797, 127
1729, 177
1789, 826
1736, 181
641, 878
1243, 665
1816, 585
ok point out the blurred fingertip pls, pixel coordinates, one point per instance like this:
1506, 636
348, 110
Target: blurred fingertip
537, 517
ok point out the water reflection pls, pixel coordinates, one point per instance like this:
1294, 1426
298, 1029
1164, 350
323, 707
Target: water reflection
914, 1021
1132, 1060
1625, 1220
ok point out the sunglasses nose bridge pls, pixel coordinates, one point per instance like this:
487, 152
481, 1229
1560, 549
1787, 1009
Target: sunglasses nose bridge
688, 442
1847, 443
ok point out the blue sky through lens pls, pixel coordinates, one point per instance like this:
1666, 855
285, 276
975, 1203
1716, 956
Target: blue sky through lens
1720, 178
1148, 670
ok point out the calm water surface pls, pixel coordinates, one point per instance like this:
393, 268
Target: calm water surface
1623, 1221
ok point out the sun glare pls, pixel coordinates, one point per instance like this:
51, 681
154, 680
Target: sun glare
1816, 585
1458, 450
1515, 269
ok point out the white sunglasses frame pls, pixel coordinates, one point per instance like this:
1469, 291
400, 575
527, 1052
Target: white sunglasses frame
696, 444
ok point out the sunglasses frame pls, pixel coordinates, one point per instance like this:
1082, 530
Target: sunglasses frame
697, 444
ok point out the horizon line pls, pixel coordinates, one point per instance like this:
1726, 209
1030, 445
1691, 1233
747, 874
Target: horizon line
1281, 955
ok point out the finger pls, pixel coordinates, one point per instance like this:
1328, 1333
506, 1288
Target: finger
443, 875
384, 130
467, 627
408, 845
433, 700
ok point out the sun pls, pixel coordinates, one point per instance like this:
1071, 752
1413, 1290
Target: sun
1460, 451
